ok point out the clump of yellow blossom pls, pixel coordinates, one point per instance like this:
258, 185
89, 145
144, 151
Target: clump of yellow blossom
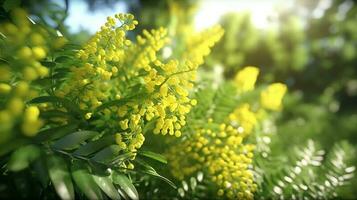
31, 123
244, 119
221, 150
26, 44
271, 97
218, 151
245, 79
147, 88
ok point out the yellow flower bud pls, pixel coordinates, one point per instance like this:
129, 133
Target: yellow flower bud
88, 116
25, 52
30, 128
246, 78
122, 145
38, 52
163, 90
177, 133
127, 42
30, 73
122, 111
4, 88
42, 71
5, 118
22, 88
271, 98
37, 39
31, 114
10, 28
124, 124
118, 138
15, 106
193, 102
130, 166
114, 70
220, 192
5, 73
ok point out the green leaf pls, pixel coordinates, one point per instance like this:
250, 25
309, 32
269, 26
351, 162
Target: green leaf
74, 140
117, 102
99, 169
48, 64
126, 185
60, 177
22, 157
123, 194
45, 82
120, 158
154, 173
54, 113
11, 145
59, 75
62, 59
153, 155
55, 133
40, 170
107, 154
151, 171
95, 146
106, 184
85, 181
11, 4
62, 70
69, 105
120, 102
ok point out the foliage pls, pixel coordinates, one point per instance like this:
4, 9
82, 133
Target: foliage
306, 173
219, 146
81, 114
280, 50
130, 113
307, 53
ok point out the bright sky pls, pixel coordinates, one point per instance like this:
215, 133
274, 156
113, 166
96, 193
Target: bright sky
208, 14
80, 16
211, 10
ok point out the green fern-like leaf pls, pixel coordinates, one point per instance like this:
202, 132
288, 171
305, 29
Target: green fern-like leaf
305, 173
193, 188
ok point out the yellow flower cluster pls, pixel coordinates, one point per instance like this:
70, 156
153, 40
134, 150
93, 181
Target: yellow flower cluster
271, 98
26, 45
174, 79
90, 83
183, 12
31, 123
116, 69
219, 151
243, 118
245, 79
200, 45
